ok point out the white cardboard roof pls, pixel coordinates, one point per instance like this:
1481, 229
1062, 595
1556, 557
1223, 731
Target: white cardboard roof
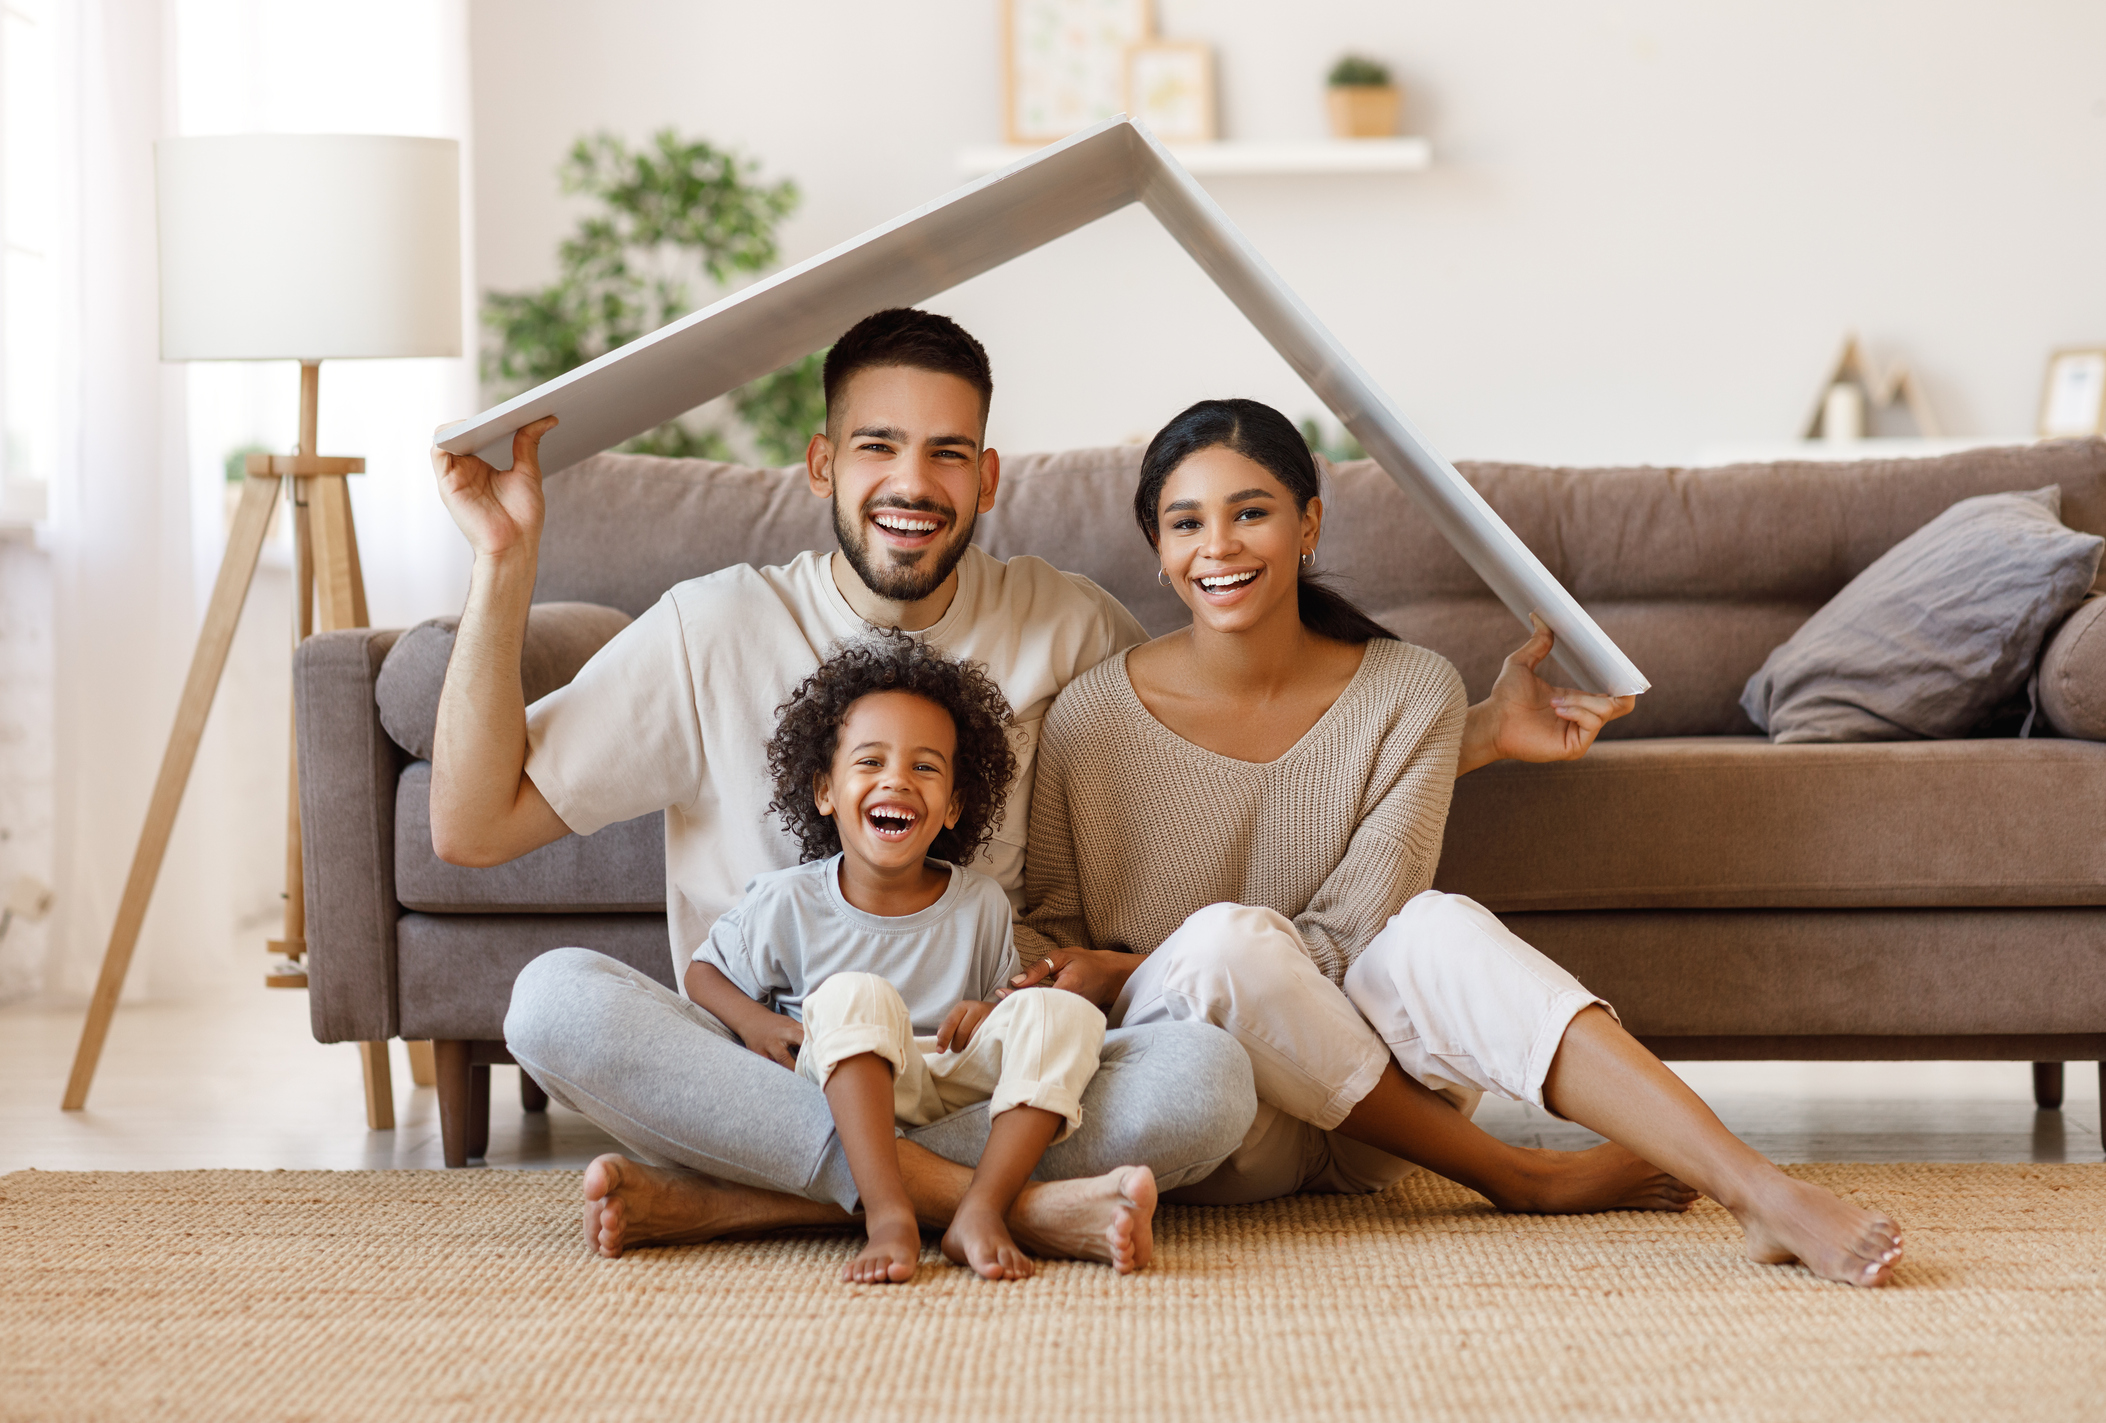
974, 229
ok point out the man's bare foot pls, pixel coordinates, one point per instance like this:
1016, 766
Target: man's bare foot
1789, 1220
979, 1239
628, 1203
1109, 1218
1604, 1178
890, 1257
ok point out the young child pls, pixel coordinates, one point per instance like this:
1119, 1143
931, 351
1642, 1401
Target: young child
873, 967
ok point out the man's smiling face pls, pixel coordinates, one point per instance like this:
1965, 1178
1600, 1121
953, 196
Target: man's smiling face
903, 466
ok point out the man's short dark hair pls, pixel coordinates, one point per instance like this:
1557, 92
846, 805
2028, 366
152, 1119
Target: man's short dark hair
808, 732
904, 336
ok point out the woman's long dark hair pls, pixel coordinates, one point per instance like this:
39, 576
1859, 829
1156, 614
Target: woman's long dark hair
1264, 436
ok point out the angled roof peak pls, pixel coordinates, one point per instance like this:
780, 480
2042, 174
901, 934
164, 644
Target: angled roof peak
979, 227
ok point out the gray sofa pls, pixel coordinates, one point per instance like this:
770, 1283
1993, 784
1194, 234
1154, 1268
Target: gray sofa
1733, 898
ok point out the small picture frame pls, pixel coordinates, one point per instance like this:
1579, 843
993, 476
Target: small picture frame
1170, 88
1064, 63
2073, 402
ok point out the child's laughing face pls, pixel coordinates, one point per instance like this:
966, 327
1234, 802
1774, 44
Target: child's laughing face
890, 788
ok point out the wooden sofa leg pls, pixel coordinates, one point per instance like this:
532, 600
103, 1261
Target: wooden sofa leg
456, 1074
531, 1097
479, 1111
2047, 1086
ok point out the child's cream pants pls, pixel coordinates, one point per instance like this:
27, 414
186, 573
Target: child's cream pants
1038, 1048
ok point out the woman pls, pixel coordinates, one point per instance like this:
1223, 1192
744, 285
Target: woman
1239, 822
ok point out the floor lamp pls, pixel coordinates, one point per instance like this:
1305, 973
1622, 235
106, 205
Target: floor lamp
277, 247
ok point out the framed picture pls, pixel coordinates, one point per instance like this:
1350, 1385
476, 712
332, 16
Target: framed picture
1065, 63
1170, 88
2074, 402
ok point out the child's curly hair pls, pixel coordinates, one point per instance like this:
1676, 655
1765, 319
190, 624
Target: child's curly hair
808, 726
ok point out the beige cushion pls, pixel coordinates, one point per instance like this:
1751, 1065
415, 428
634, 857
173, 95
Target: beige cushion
1738, 823
559, 639
2073, 674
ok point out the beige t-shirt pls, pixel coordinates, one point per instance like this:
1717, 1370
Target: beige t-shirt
675, 713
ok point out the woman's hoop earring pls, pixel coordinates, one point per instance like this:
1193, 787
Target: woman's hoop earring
1308, 558
1162, 577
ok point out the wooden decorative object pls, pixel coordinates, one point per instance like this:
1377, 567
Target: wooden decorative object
1170, 88
1364, 110
1896, 390
1064, 63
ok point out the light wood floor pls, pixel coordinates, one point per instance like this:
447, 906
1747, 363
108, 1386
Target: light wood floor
239, 1082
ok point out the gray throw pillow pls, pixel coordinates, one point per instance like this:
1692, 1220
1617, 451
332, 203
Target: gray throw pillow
1941, 631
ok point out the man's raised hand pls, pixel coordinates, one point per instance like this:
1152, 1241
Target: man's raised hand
498, 509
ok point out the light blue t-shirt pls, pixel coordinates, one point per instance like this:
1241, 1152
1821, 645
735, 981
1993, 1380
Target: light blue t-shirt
792, 930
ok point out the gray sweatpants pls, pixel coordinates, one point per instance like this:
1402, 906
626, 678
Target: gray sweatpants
676, 1087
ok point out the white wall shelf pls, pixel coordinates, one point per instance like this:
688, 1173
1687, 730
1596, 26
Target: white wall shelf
1204, 160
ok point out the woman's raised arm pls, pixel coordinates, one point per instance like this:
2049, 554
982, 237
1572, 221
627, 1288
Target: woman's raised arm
1527, 719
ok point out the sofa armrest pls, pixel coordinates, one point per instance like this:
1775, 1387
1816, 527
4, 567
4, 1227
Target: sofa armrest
348, 769
2073, 673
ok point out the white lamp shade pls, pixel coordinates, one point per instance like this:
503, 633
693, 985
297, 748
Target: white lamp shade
309, 246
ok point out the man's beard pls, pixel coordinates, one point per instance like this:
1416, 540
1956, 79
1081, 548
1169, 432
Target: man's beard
902, 577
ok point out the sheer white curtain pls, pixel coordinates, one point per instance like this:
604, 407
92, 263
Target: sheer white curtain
138, 518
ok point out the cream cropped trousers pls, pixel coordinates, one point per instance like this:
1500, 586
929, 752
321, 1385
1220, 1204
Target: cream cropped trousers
1036, 1049
1445, 989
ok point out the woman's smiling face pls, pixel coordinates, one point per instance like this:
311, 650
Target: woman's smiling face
1231, 540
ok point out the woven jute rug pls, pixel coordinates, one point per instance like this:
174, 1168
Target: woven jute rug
457, 1295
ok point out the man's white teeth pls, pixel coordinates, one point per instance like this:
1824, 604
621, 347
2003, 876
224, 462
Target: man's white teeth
1214, 583
906, 523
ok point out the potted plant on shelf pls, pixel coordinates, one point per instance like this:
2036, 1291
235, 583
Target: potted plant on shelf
1363, 101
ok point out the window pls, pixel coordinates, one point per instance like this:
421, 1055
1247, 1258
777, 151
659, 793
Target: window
28, 211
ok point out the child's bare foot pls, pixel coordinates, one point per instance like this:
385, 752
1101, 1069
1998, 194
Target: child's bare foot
979, 1239
1109, 1218
1789, 1220
1604, 1178
890, 1257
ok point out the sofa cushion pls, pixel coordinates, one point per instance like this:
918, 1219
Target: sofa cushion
1696, 573
620, 870
1739, 823
1942, 630
457, 970
2073, 674
559, 638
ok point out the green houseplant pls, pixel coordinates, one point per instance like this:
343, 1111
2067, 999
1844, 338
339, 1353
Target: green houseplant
1362, 98
665, 218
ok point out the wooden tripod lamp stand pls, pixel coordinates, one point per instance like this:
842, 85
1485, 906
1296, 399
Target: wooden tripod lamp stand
277, 247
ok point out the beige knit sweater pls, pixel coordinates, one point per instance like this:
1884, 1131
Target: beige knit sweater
1133, 828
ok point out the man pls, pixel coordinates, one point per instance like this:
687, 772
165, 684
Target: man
675, 714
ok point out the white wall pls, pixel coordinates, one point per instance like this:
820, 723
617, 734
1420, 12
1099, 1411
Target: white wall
1648, 226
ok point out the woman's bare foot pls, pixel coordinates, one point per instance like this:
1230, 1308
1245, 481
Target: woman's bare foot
1110, 1218
1789, 1220
628, 1203
979, 1239
1604, 1178
890, 1257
